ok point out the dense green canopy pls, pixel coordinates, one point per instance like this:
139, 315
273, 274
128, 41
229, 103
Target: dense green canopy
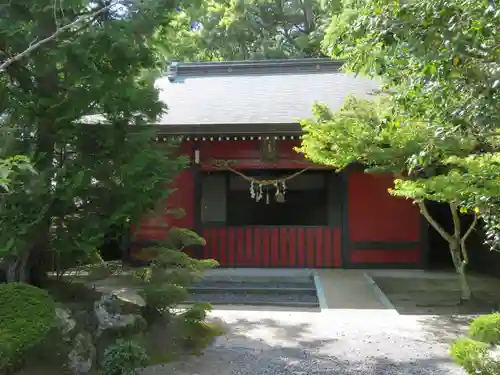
436, 126
246, 30
85, 179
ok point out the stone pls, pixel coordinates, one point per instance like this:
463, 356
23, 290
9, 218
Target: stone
108, 312
65, 322
494, 352
82, 355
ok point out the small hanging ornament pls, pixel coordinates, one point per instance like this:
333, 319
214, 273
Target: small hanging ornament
252, 190
279, 196
259, 193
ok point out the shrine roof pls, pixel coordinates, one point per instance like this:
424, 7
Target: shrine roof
257, 96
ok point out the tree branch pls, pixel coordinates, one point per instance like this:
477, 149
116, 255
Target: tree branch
456, 220
465, 254
434, 223
33, 46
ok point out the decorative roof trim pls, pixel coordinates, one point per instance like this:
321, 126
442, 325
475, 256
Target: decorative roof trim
287, 66
293, 128
227, 138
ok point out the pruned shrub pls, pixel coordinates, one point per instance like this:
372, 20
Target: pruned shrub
469, 354
479, 353
164, 286
168, 275
27, 314
124, 358
486, 329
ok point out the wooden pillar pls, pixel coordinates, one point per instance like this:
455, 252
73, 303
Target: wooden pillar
197, 251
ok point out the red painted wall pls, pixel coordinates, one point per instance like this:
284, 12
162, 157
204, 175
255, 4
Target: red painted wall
308, 247
377, 217
248, 154
374, 217
152, 227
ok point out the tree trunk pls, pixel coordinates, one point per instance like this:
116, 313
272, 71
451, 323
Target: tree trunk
460, 268
457, 246
29, 267
466, 293
17, 269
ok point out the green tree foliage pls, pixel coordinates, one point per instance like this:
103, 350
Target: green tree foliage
246, 30
78, 110
370, 133
440, 60
440, 52
27, 314
436, 127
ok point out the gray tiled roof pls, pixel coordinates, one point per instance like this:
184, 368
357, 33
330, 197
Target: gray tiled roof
273, 92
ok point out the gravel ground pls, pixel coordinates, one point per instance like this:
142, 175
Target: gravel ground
337, 342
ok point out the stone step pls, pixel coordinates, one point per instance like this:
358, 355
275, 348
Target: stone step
258, 279
255, 282
261, 299
251, 289
265, 290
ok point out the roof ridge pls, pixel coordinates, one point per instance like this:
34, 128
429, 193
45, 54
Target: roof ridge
248, 67
267, 62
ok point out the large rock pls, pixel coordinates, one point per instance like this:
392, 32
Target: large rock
79, 352
84, 331
109, 314
82, 356
65, 322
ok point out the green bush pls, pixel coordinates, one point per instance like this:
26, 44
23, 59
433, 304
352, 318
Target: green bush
124, 358
163, 297
486, 329
197, 336
476, 352
170, 273
469, 354
196, 333
27, 314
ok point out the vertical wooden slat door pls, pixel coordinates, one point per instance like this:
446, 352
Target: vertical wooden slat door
273, 247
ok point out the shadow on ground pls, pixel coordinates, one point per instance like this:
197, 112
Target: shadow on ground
445, 328
268, 346
431, 295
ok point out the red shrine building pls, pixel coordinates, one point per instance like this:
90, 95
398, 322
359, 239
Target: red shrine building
255, 200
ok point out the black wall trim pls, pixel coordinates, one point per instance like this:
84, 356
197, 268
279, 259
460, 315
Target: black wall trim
345, 243
386, 245
424, 240
334, 189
